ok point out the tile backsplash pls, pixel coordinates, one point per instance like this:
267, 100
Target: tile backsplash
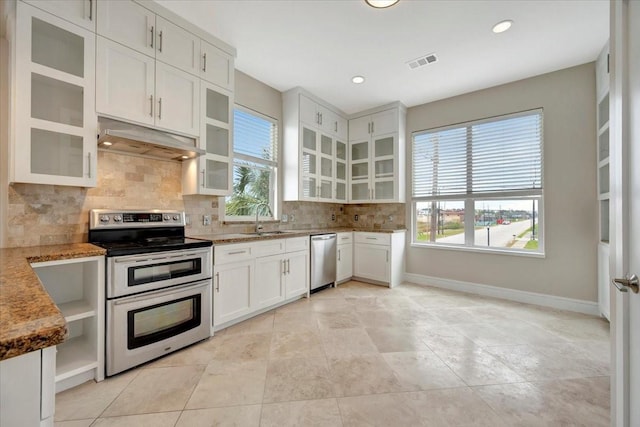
51, 214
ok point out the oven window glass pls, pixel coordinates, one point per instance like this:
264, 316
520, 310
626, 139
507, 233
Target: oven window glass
161, 321
164, 271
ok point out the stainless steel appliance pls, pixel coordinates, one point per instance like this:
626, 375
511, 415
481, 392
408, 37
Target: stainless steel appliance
158, 285
323, 260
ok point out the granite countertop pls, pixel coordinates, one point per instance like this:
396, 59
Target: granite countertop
219, 239
29, 319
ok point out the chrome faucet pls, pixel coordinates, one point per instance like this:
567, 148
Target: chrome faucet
258, 206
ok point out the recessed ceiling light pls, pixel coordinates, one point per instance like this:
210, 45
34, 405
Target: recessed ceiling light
502, 26
107, 143
357, 79
381, 4
185, 157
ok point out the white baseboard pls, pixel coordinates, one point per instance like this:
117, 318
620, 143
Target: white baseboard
562, 303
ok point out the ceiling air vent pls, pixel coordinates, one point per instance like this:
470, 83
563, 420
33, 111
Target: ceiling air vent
423, 60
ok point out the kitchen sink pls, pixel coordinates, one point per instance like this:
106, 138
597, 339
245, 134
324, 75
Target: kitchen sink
268, 233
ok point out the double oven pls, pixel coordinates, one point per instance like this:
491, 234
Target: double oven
158, 285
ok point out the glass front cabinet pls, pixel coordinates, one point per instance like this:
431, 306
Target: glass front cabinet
211, 173
54, 120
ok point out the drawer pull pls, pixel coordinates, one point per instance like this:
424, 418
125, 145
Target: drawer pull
237, 252
372, 238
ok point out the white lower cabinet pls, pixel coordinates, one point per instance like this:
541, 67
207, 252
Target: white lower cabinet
344, 255
232, 290
77, 288
379, 257
270, 271
27, 389
254, 276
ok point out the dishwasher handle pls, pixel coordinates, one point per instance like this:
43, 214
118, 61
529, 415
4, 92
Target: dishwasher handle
324, 237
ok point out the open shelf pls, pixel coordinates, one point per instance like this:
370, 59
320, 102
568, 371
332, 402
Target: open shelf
75, 356
76, 310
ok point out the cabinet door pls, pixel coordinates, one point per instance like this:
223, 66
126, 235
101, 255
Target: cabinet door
177, 100
128, 23
360, 190
269, 284
360, 128
297, 276
55, 121
344, 267
326, 167
384, 122
308, 111
217, 66
383, 165
342, 126
178, 47
341, 172
328, 120
309, 163
79, 12
125, 83
232, 291
371, 262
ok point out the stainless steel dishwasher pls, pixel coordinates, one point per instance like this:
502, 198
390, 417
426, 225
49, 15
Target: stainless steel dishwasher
323, 260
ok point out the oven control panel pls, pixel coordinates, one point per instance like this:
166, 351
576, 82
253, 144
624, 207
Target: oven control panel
104, 218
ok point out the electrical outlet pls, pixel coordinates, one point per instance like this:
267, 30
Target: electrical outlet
333, 217
187, 219
355, 217
284, 217
206, 220
390, 217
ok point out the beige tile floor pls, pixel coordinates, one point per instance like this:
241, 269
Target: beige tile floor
364, 355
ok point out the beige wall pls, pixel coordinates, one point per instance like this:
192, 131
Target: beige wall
570, 204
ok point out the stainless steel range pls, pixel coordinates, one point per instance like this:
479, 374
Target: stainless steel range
158, 284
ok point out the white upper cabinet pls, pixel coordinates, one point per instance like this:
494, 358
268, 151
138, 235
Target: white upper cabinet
315, 157
211, 173
217, 66
177, 47
126, 82
129, 24
177, 95
79, 12
376, 146
54, 121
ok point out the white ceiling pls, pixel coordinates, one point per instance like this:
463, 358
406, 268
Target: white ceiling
321, 44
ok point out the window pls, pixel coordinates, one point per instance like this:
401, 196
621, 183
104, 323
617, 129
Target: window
255, 166
479, 184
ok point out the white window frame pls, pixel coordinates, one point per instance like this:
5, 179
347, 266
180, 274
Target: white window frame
275, 164
469, 200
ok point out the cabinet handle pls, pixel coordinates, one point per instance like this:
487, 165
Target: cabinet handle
151, 105
202, 177
90, 10
288, 266
373, 127
338, 254
284, 267
89, 164
387, 252
369, 127
336, 127
160, 108
152, 37
218, 282
160, 46
237, 252
372, 238
320, 118
204, 66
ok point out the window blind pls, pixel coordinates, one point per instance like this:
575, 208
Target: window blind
502, 155
254, 136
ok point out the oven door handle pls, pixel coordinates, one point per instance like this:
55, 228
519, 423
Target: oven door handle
145, 258
162, 293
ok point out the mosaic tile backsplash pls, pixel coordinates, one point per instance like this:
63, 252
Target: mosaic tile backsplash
50, 214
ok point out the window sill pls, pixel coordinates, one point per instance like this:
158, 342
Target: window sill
491, 251
244, 221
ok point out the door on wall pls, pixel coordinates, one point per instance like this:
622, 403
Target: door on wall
625, 212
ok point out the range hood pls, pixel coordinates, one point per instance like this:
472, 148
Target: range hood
128, 138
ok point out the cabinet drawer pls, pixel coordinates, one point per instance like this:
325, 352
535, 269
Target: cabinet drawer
345, 238
373, 238
297, 244
268, 247
224, 254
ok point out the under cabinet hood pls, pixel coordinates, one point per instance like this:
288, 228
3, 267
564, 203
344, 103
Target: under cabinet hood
128, 138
